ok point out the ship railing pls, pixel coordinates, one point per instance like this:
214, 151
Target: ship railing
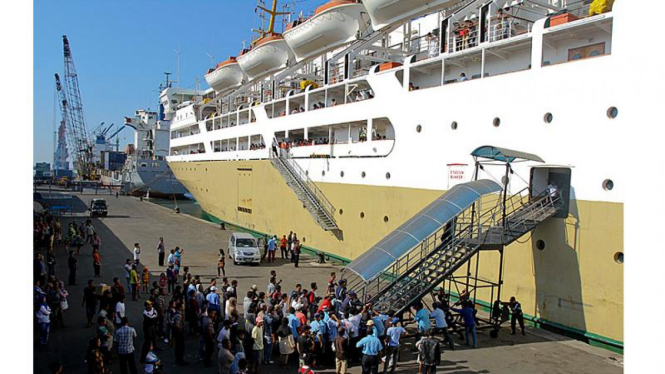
459, 42
506, 27
336, 72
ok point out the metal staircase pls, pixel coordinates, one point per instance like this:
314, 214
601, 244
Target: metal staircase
308, 193
458, 241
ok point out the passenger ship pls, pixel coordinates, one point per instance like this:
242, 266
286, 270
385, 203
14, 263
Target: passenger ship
380, 104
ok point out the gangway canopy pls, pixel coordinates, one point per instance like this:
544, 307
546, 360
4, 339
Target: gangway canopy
398, 243
503, 154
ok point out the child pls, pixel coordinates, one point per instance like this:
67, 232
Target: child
171, 278
242, 366
146, 279
220, 263
162, 282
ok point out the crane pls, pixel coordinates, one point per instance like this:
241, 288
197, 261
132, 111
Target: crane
61, 154
74, 107
65, 127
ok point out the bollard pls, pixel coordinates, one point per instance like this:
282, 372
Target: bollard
177, 210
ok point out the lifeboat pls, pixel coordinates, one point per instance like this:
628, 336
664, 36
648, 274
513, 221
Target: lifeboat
386, 12
226, 75
333, 24
267, 55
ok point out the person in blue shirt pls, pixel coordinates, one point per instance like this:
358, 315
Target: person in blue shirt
393, 334
468, 313
294, 322
379, 320
319, 330
422, 318
371, 346
441, 325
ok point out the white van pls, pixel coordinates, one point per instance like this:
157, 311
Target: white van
244, 248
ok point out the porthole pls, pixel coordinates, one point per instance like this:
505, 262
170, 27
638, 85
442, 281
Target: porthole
540, 245
341, 174
618, 257
363, 174
453, 125
387, 175
362, 214
612, 112
385, 219
419, 128
496, 122
548, 117
341, 211
323, 173
608, 185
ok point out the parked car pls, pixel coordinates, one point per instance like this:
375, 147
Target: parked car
98, 208
243, 248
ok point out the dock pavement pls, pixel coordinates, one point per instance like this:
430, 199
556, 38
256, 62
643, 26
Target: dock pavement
131, 220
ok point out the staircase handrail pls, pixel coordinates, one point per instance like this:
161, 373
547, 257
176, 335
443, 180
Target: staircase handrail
293, 166
460, 238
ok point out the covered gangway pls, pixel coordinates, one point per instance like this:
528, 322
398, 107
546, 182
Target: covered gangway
421, 226
503, 155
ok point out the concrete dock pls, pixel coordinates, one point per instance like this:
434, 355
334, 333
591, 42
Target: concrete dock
131, 220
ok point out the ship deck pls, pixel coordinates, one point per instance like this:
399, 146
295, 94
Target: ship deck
131, 220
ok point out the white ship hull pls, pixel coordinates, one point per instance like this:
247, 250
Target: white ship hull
528, 93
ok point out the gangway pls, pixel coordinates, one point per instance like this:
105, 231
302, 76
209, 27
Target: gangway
308, 193
427, 249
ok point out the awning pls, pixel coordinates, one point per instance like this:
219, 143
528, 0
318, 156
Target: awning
398, 243
503, 154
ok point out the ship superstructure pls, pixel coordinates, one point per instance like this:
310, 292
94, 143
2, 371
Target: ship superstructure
342, 137
145, 170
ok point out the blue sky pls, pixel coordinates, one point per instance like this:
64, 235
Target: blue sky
121, 49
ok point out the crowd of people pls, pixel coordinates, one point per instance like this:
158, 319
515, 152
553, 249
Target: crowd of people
240, 331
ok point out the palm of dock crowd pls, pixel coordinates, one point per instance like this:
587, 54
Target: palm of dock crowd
335, 329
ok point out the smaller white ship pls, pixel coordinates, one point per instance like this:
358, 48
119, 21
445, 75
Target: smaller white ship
145, 170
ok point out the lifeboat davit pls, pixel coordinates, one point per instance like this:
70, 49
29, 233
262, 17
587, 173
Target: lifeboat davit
386, 12
267, 55
226, 76
333, 24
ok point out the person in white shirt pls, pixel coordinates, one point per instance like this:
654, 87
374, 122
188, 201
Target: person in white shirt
44, 320
171, 259
441, 325
120, 310
89, 230
224, 333
432, 45
137, 254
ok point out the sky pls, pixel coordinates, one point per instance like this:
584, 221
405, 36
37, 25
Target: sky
122, 48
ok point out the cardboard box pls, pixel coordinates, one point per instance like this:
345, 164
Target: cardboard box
561, 19
389, 65
99, 290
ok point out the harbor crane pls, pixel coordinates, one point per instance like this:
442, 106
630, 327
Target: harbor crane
71, 108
